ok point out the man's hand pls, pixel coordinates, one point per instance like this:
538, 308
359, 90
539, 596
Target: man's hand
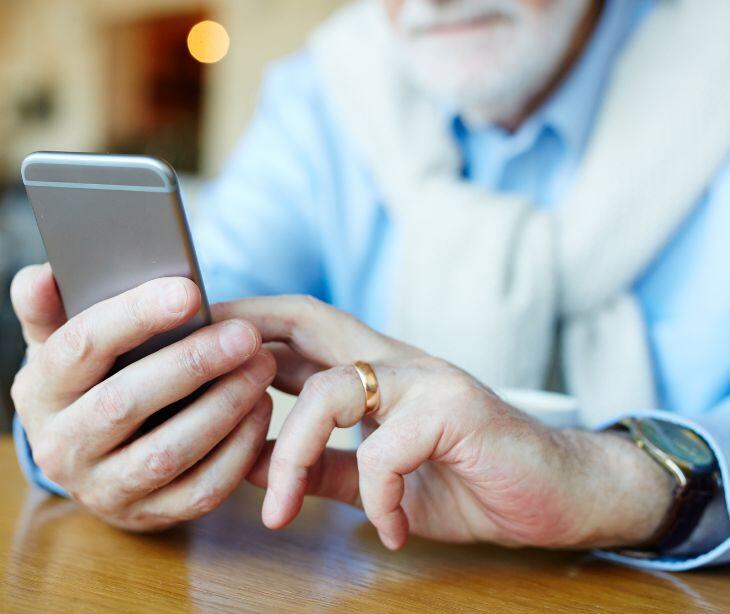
446, 458
80, 425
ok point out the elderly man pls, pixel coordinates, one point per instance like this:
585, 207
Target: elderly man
534, 190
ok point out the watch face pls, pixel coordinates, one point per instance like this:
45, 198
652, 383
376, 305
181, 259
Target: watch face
681, 444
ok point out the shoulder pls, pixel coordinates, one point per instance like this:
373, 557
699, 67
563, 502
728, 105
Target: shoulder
293, 73
294, 112
292, 96
292, 120
293, 147
290, 134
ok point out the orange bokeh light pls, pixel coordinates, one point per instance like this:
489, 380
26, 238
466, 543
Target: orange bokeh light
208, 42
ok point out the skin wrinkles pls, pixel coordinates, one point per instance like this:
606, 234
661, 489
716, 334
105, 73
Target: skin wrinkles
474, 457
508, 479
79, 425
444, 457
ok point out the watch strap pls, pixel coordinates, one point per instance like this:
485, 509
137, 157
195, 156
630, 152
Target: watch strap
689, 504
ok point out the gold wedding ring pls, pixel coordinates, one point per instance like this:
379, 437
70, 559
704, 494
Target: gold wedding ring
370, 383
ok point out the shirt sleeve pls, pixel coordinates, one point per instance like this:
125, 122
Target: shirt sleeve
255, 227
709, 543
30, 470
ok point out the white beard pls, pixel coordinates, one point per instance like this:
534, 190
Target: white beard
492, 70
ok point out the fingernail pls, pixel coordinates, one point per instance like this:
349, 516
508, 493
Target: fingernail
174, 296
236, 339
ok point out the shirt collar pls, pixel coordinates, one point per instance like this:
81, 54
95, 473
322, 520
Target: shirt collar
570, 111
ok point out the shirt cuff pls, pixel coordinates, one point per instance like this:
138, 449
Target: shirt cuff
27, 465
713, 527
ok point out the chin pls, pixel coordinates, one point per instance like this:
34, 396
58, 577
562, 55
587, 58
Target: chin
497, 64
474, 73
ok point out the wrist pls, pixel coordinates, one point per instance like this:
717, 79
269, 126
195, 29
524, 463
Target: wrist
622, 495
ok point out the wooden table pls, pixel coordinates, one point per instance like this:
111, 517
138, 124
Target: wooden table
55, 557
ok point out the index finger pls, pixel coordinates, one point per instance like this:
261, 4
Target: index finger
316, 330
333, 398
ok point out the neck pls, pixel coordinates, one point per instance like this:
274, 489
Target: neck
580, 39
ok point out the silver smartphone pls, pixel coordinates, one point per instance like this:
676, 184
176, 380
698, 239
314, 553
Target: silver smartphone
110, 223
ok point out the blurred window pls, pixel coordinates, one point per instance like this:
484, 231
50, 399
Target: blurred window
154, 90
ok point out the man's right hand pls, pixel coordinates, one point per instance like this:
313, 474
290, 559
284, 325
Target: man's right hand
79, 424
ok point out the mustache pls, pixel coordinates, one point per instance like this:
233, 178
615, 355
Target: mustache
419, 16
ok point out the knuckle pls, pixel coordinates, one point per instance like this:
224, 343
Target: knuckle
144, 522
368, 457
468, 394
48, 454
473, 395
136, 314
261, 414
403, 433
267, 357
426, 361
161, 464
205, 499
111, 404
304, 307
320, 385
307, 302
74, 343
127, 483
457, 384
194, 362
97, 501
465, 399
230, 395
279, 463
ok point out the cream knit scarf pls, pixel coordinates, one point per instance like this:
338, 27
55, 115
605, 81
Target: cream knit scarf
490, 282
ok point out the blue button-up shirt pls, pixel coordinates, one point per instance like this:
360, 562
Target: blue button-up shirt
295, 210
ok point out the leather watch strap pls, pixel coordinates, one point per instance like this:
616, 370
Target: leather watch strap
689, 504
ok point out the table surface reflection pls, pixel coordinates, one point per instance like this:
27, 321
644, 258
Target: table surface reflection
55, 557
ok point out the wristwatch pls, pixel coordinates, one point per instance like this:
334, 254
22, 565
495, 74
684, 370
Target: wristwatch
688, 458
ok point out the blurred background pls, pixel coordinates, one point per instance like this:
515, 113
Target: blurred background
120, 76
